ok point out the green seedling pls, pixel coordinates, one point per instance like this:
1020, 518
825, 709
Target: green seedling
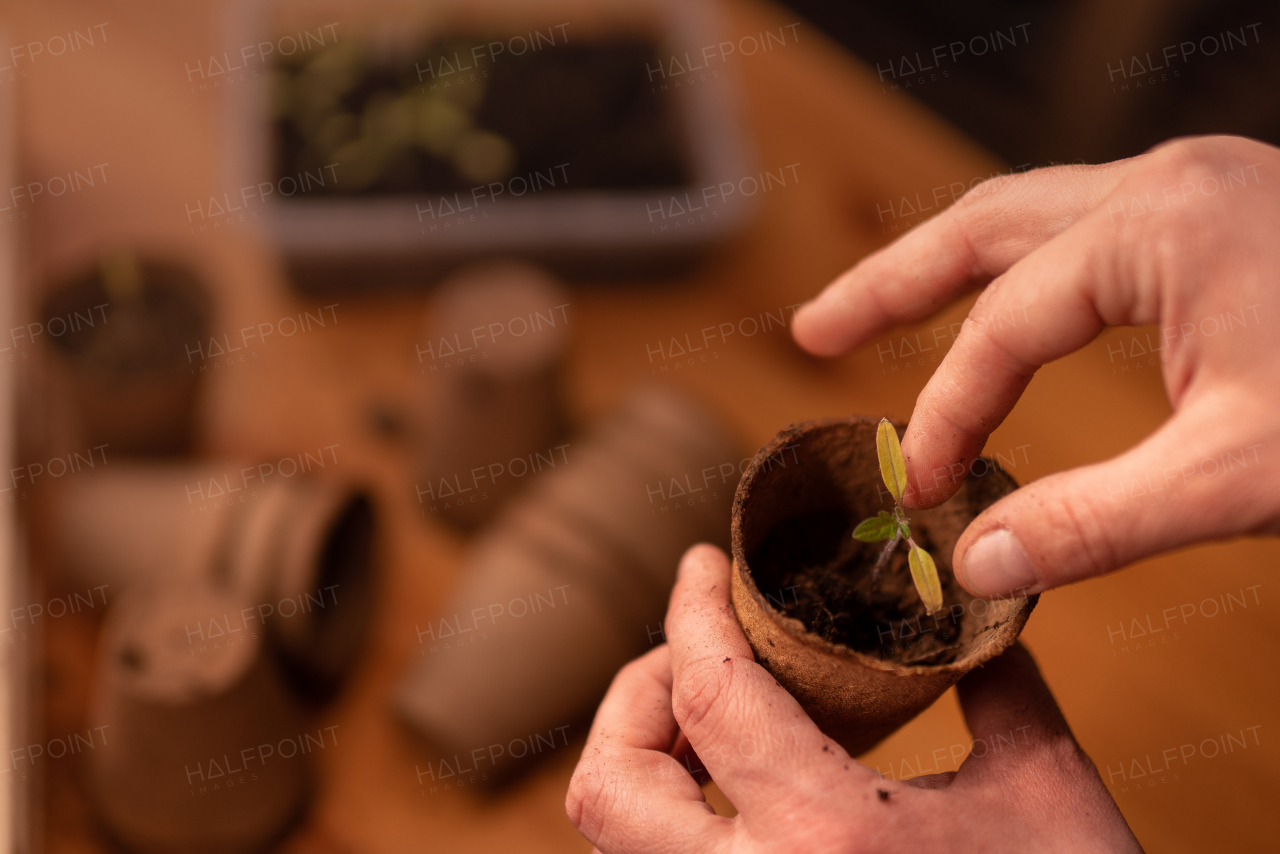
896, 527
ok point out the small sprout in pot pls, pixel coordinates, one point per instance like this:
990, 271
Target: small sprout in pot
896, 527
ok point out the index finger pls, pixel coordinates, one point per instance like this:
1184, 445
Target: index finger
760, 747
966, 246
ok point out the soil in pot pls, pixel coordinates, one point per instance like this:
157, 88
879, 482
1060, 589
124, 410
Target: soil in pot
125, 333
825, 580
129, 318
806, 563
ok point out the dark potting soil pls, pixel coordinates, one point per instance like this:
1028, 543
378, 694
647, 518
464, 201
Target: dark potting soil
825, 582
142, 334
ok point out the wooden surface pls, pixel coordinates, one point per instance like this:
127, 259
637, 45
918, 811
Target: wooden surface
1129, 697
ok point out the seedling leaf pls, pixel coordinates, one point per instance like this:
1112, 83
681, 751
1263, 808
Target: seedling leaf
875, 529
893, 468
925, 575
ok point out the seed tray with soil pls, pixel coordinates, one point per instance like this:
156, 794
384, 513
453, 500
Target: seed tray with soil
426, 138
444, 119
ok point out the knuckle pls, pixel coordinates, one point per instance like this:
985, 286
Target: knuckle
1201, 180
1202, 157
975, 204
1173, 246
1013, 186
1086, 543
1185, 156
1060, 753
881, 302
699, 694
976, 193
586, 802
989, 188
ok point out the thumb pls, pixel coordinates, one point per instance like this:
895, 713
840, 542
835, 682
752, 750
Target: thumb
1195, 479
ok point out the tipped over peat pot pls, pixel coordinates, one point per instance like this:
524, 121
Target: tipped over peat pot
862, 658
301, 550
494, 673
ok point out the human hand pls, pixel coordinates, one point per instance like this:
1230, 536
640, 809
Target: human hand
797, 790
1183, 236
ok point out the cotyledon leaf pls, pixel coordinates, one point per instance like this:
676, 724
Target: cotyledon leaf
925, 575
893, 468
875, 529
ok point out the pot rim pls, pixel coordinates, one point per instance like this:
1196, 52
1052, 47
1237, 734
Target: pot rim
979, 654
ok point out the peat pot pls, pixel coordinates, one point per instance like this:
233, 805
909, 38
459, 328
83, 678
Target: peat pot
203, 751
567, 585
862, 657
122, 336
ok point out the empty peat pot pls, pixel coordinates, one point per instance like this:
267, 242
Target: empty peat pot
861, 656
203, 750
300, 549
491, 365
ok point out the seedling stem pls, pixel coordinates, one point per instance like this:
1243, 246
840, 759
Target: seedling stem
896, 527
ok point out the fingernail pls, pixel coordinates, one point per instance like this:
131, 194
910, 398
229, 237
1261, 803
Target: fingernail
997, 564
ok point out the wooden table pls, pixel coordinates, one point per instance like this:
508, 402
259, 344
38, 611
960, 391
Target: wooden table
1130, 685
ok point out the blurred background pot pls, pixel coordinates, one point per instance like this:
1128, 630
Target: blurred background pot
569, 584
495, 343
864, 658
299, 551
192, 727
120, 334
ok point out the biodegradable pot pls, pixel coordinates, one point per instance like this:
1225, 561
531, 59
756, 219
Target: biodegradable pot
569, 584
299, 550
192, 721
495, 342
793, 517
121, 334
